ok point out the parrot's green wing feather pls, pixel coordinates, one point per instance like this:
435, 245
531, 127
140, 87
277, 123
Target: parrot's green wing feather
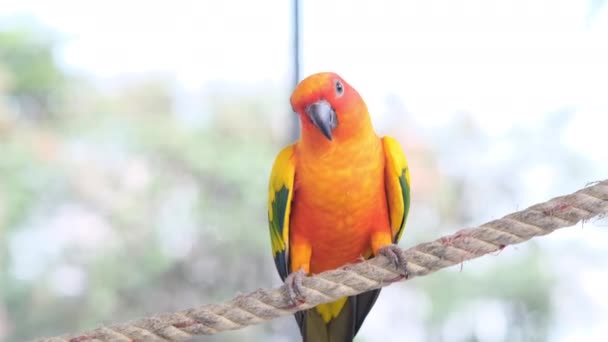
397, 183
279, 206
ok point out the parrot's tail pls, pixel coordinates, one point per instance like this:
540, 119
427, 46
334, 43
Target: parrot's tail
341, 328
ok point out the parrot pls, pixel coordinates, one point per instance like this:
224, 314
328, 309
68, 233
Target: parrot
338, 195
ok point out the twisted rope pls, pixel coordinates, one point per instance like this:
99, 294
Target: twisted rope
266, 304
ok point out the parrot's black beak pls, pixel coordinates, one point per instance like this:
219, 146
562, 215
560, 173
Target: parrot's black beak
323, 116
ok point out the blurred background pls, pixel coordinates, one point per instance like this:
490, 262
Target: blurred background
136, 141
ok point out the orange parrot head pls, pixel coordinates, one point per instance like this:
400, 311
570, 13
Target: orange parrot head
328, 107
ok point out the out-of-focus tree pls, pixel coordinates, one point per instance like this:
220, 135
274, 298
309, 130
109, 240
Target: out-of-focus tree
29, 72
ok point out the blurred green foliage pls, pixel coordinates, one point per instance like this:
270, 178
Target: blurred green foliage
30, 73
115, 208
29, 57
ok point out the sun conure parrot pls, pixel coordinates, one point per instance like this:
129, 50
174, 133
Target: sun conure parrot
339, 194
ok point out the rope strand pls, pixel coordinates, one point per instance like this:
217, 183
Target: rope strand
266, 304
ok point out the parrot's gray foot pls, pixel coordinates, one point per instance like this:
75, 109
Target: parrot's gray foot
395, 255
293, 287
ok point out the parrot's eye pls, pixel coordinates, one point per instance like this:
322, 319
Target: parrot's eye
339, 88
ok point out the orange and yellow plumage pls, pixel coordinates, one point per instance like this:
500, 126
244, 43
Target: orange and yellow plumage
338, 194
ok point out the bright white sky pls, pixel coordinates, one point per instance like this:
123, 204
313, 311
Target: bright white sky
504, 62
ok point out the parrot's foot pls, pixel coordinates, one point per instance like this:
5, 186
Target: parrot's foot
394, 254
293, 287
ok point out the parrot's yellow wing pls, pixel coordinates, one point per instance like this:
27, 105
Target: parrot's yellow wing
397, 183
279, 206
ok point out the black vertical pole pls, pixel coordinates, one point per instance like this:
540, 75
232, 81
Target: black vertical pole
295, 131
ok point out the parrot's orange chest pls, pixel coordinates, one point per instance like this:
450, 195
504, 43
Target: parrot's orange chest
339, 201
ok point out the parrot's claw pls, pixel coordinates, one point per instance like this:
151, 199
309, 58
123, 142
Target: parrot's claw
293, 287
395, 255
